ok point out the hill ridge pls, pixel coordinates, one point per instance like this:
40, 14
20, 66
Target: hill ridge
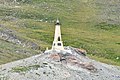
57, 65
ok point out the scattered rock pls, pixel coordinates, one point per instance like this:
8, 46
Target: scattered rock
81, 51
55, 57
8, 36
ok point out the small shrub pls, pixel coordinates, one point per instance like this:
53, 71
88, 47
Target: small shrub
25, 68
20, 69
107, 26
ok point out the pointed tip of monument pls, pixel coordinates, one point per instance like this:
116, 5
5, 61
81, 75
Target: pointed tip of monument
57, 22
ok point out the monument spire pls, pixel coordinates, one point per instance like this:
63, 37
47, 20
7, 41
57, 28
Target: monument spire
57, 43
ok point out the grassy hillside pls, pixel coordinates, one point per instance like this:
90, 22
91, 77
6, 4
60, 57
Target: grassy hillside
89, 24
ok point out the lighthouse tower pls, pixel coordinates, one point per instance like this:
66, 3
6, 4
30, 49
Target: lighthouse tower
57, 43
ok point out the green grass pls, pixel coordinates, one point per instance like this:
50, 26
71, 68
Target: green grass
104, 60
25, 68
81, 26
8, 52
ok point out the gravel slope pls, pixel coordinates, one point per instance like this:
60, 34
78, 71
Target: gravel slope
70, 64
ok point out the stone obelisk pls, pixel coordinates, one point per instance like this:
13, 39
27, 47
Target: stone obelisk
57, 43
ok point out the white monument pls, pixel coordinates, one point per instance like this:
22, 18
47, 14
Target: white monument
57, 43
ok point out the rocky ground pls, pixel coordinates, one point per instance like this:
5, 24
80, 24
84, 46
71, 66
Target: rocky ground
13, 43
70, 64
